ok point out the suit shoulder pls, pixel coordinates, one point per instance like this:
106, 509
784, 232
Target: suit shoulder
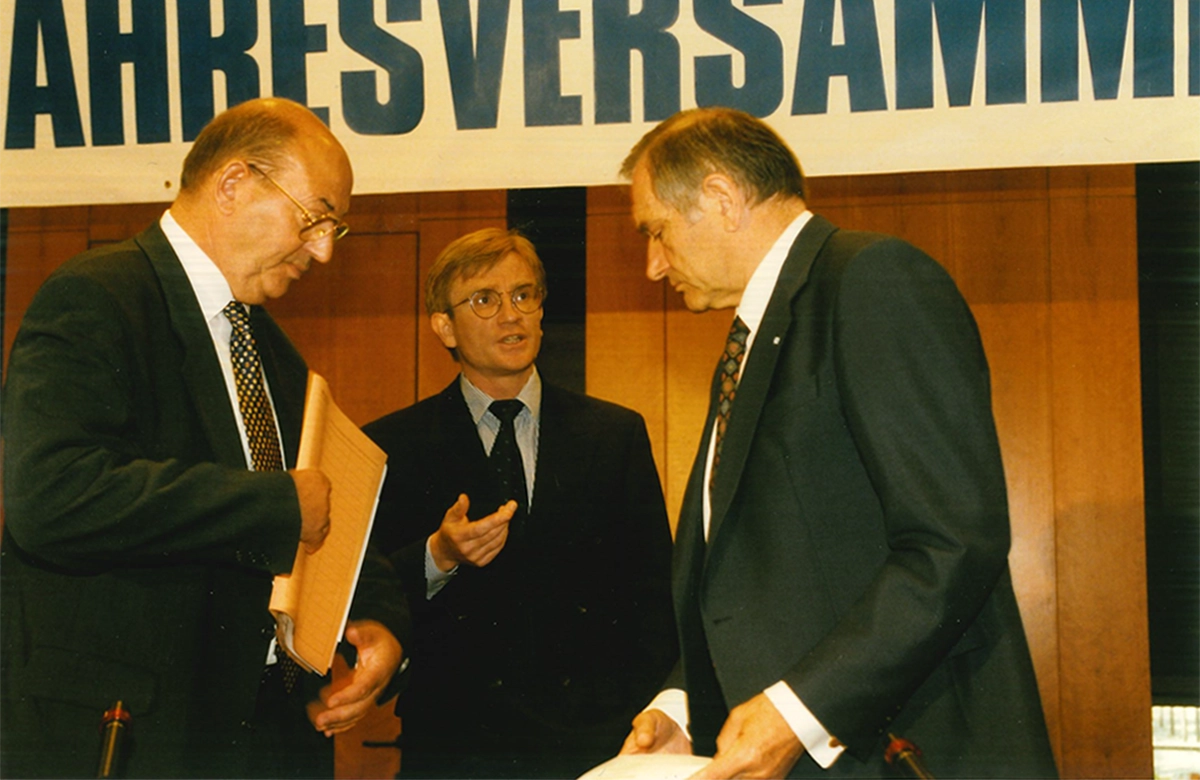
408, 421
112, 265
571, 401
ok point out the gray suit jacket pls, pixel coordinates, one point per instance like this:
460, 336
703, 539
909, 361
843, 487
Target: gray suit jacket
859, 532
138, 550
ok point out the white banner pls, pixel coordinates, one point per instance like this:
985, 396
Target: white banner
102, 97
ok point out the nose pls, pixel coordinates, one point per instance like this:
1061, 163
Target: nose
508, 312
656, 261
321, 249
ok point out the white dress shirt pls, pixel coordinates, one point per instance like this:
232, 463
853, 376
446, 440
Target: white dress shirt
816, 739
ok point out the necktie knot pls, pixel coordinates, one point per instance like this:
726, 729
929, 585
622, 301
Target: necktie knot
235, 312
506, 411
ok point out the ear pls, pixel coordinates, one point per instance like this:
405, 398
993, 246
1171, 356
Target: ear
443, 326
726, 198
230, 182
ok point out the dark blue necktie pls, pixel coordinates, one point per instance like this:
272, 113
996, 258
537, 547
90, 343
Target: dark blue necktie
505, 459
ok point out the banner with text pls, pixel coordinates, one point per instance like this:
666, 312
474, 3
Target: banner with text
103, 97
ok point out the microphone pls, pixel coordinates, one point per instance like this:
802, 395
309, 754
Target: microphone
113, 726
906, 756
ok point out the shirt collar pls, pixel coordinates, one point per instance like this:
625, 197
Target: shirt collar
211, 288
479, 401
762, 283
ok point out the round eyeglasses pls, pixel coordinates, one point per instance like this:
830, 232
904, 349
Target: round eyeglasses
526, 299
317, 226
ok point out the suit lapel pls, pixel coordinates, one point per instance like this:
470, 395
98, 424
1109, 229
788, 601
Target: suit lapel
200, 366
459, 440
760, 365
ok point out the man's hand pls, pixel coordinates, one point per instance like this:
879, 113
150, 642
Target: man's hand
461, 540
654, 732
754, 742
379, 656
312, 489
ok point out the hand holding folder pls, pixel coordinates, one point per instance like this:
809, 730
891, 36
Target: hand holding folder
312, 603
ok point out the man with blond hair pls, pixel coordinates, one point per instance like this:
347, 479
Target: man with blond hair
541, 597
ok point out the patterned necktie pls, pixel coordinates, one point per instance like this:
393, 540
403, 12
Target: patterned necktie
729, 368
505, 459
252, 398
259, 420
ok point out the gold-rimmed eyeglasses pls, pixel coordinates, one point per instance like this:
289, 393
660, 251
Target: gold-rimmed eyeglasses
527, 299
317, 226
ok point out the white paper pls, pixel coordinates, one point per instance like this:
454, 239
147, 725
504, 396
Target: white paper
648, 766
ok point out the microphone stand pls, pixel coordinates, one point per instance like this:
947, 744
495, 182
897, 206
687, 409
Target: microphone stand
113, 725
906, 756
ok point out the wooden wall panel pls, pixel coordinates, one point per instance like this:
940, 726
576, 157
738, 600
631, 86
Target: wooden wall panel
1098, 481
625, 332
355, 322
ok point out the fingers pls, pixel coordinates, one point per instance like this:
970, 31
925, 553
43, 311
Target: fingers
654, 732
343, 705
476, 542
312, 493
755, 742
331, 721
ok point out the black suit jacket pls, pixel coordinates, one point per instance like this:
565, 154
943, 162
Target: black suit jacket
138, 550
534, 665
859, 532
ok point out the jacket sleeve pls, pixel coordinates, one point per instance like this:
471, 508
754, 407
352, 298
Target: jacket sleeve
91, 480
915, 394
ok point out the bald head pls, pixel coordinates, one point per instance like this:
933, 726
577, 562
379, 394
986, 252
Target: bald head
264, 131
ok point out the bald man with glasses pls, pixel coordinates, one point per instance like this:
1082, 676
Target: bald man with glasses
152, 419
541, 597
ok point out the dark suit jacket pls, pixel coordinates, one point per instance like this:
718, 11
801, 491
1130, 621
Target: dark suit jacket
534, 665
859, 534
138, 549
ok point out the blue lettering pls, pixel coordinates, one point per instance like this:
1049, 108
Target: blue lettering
616, 33
146, 48
25, 98
406, 73
475, 69
1194, 47
291, 42
1105, 24
545, 25
200, 54
820, 59
762, 90
958, 24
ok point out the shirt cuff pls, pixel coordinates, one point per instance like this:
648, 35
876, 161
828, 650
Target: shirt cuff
673, 703
435, 578
820, 744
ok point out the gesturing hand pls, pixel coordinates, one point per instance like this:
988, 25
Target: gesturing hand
460, 540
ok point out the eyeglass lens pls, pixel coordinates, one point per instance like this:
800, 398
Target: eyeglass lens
526, 299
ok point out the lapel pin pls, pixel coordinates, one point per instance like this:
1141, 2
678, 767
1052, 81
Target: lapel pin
776, 341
